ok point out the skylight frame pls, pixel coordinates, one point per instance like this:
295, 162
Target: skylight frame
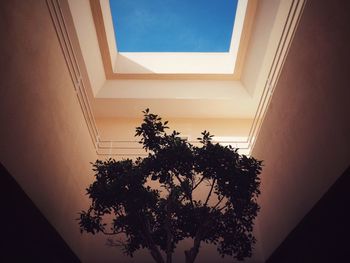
173, 65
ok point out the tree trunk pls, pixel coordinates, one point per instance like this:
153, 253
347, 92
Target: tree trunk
190, 255
156, 255
169, 235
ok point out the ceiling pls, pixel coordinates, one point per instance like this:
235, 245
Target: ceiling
209, 93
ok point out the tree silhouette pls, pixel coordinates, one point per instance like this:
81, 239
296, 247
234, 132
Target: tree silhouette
158, 218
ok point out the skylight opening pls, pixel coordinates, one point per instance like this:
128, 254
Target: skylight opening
173, 25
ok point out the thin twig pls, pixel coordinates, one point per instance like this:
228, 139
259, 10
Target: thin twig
218, 203
200, 181
211, 190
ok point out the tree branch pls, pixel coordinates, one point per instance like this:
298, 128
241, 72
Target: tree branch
178, 178
168, 231
211, 190
186, 194
200, 181
218, 203
223, 207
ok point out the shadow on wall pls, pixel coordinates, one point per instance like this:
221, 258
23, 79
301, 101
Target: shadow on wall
129, 66
26, 235
323, 234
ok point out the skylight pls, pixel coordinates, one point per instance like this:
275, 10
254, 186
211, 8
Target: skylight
173, 25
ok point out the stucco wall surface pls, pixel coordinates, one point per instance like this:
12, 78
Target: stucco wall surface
304, 139
44, 141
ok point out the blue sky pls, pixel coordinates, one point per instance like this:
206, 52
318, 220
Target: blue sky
173, 25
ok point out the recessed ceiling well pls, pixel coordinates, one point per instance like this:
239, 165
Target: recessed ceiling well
122, 83
173, 39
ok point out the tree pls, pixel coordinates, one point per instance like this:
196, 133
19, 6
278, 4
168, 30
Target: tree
158, 218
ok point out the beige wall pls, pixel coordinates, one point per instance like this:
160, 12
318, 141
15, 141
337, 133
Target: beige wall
304, 139
44, 142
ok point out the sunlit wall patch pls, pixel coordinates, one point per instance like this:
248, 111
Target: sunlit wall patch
173, 25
